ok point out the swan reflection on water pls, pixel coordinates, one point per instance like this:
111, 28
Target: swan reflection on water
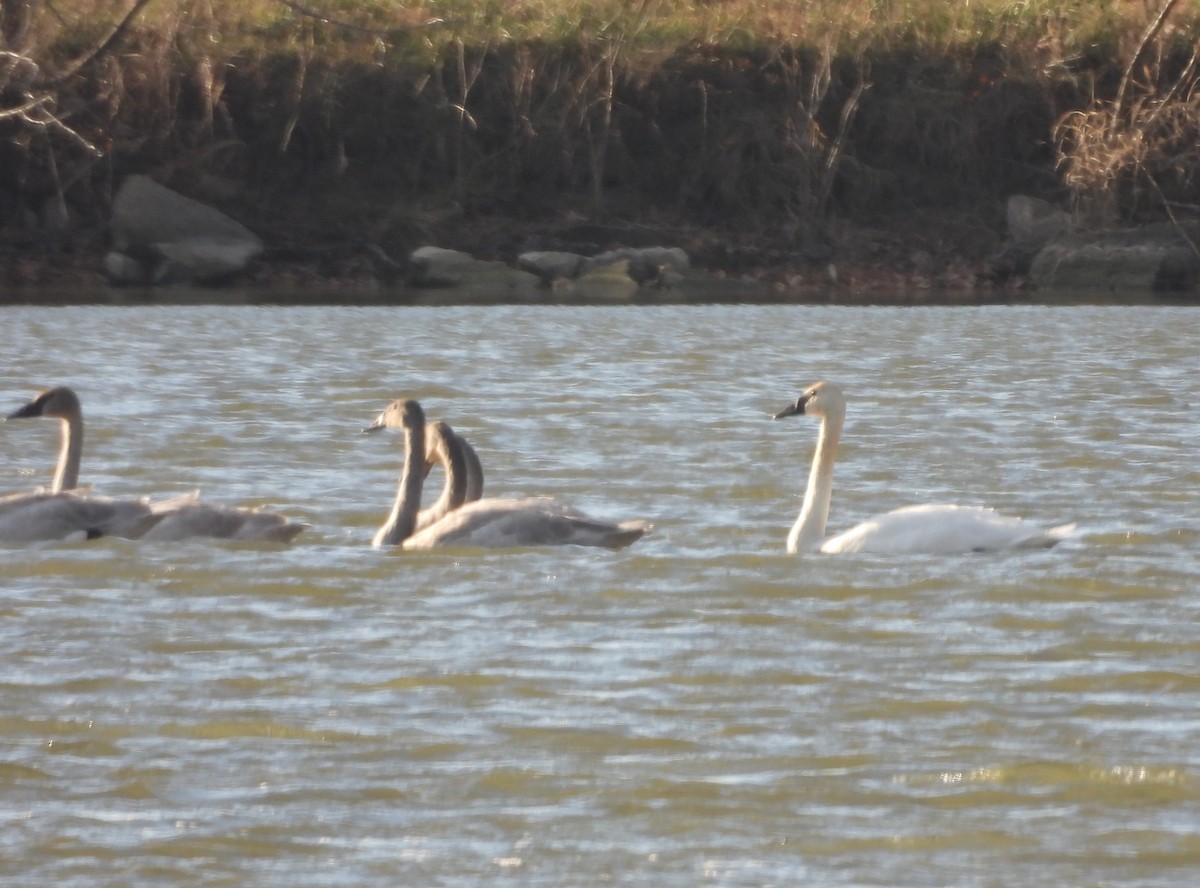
932, 529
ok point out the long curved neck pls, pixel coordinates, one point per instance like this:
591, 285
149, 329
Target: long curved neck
66, 475
474, 470
403, 518
809, 530
444, 448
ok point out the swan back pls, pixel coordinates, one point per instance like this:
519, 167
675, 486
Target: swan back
944, 529
63, 515
525, 521
201, 519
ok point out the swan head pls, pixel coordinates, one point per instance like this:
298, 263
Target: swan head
822, 399
404, 413
59, 402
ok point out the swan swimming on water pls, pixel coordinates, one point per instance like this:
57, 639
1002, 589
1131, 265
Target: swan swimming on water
486, 523
935, 529
60, 513
178, 518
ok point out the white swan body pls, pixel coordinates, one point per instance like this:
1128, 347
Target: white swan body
176, 518
932, 529
486, 523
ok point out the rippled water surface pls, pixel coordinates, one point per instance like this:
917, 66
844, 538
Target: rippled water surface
697, 709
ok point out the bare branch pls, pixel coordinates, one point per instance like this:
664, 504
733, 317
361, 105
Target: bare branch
104, 46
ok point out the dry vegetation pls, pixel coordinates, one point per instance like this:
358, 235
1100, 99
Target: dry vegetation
758, 131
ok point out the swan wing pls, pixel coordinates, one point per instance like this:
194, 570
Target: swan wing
944, 529
44, 516
529, 521
191, 518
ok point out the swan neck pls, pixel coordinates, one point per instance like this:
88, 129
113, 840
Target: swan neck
66, 475
447, 453
809, 530
403, 518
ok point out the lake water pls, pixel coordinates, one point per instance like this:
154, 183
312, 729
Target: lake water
698, 709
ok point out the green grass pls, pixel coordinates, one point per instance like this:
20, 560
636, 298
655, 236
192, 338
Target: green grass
1056, 30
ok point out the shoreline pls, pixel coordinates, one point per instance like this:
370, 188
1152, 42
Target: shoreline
864, 264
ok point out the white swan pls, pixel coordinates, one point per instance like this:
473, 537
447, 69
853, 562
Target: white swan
486, 523
177, 518
937, 529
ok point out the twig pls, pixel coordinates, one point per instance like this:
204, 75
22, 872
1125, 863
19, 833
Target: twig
1127, 77
104, 46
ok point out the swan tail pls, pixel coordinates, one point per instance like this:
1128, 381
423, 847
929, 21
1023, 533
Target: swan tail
628, 532
283, 533
582, 531
1049, 538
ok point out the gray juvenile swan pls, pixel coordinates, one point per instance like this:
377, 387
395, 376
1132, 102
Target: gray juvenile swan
458, 459
935, 529
60, 513
486, 523
180, 517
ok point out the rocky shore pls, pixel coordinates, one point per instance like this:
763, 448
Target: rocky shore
937, 258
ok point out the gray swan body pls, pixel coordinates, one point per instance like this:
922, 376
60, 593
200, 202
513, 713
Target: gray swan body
174, 519
485, 523
46, 516
931, 529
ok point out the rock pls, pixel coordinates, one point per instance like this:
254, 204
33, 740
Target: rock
201, 260
439, 267
646, 264
552, 265
1032, 224
1150, 258
124, 270
608, 283
162, 237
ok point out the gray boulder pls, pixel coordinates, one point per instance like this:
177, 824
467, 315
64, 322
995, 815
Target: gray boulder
1150, 258
440, 267
646, 264
162, 237
1032, 224
552, 265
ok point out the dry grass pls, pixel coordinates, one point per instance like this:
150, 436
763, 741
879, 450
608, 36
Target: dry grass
761, 112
